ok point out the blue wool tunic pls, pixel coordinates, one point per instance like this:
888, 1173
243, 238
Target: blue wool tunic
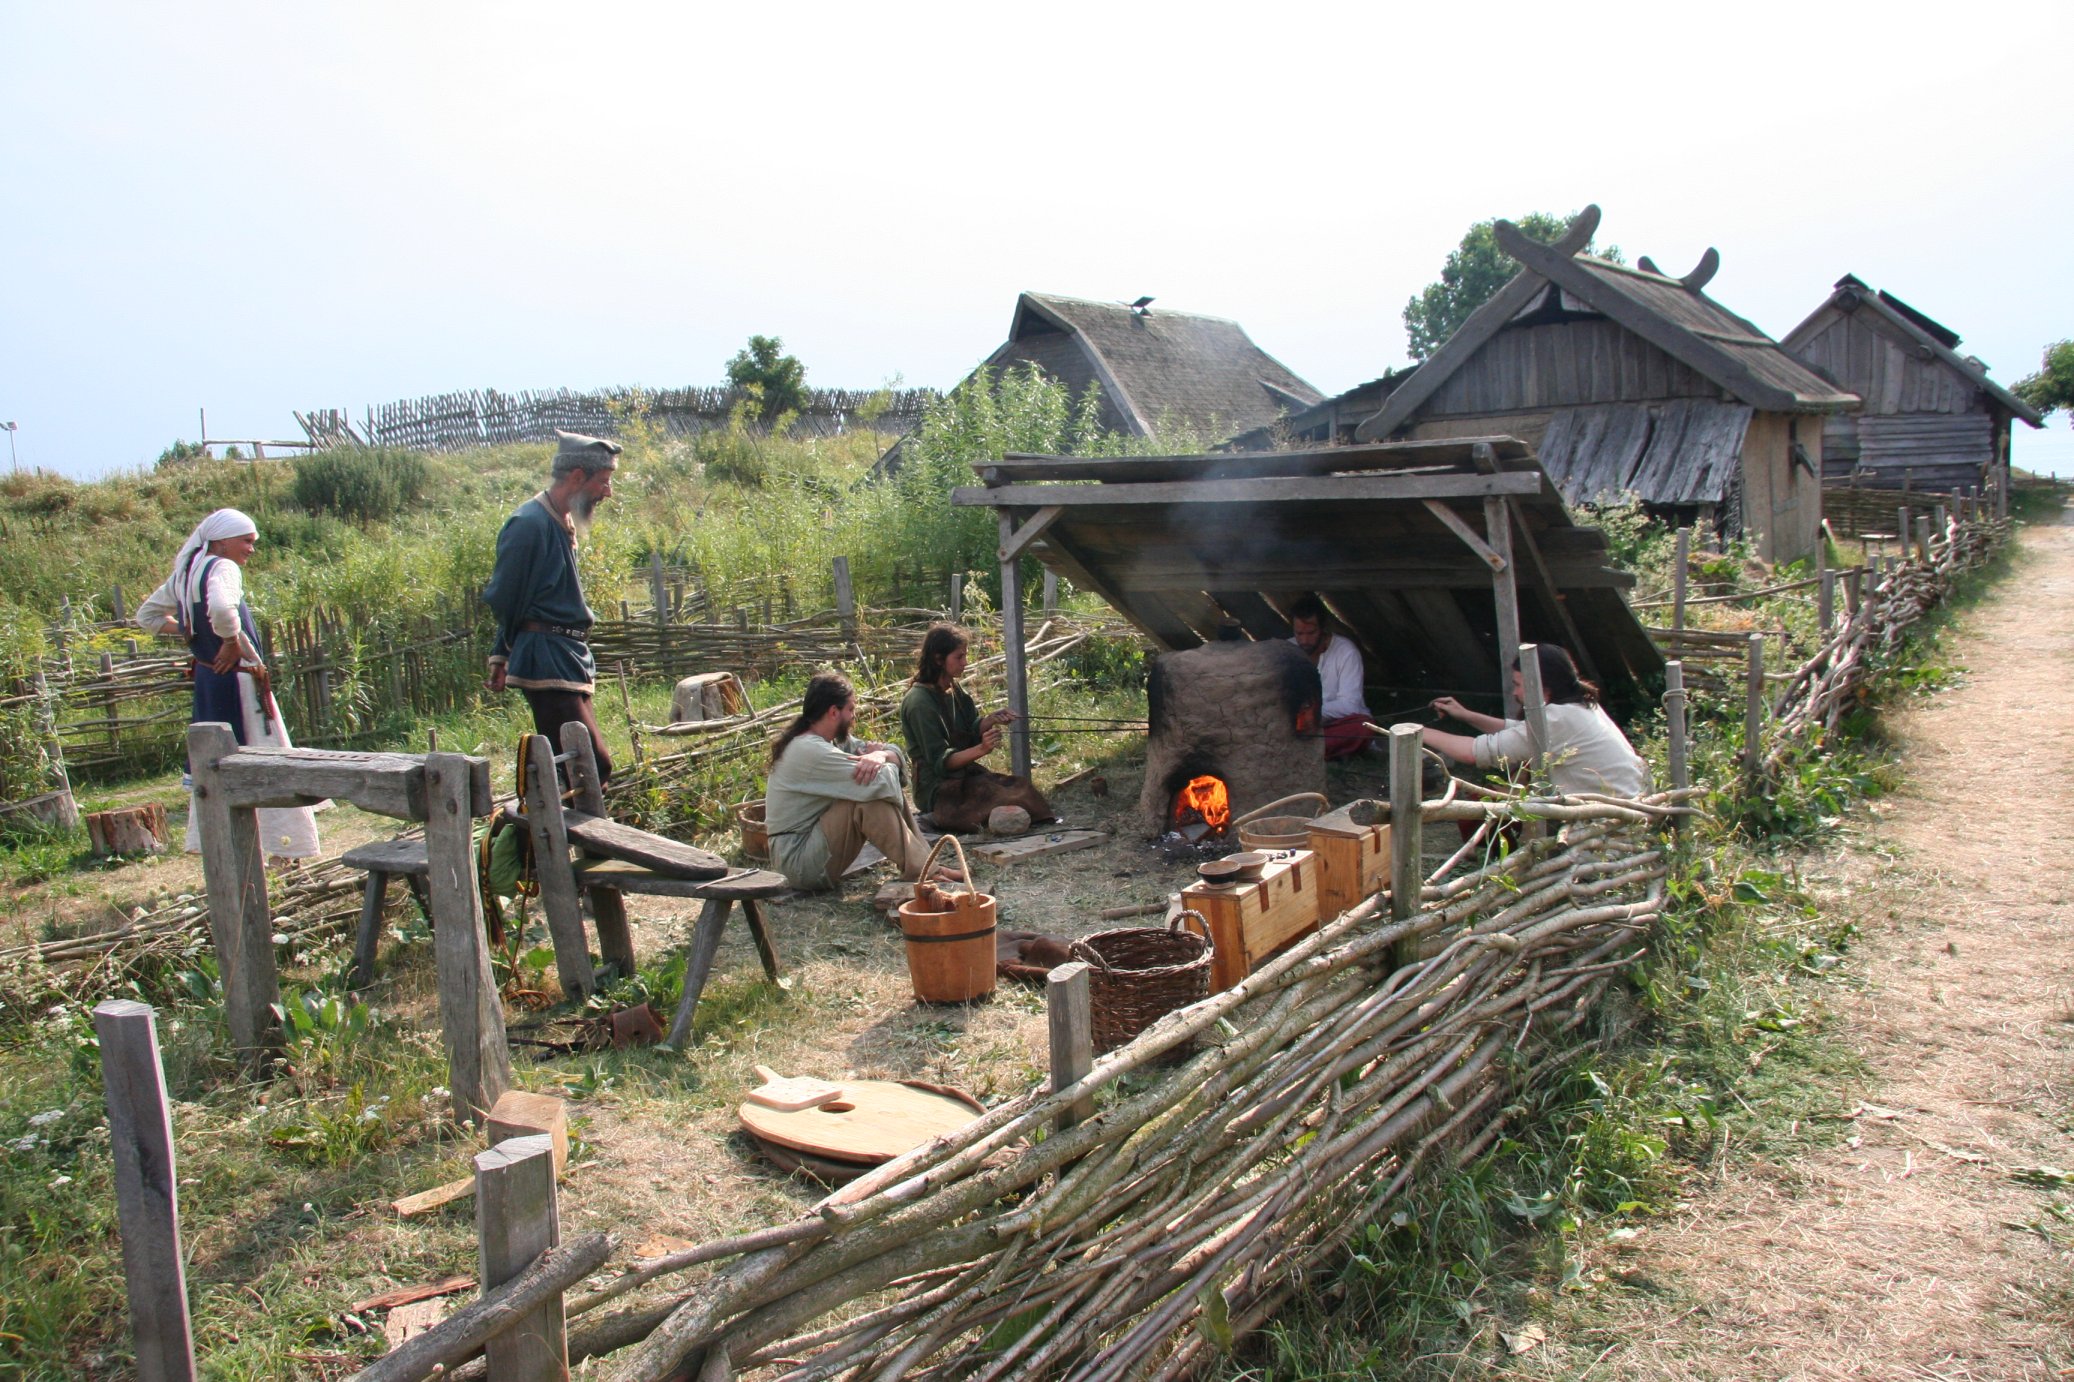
535, 579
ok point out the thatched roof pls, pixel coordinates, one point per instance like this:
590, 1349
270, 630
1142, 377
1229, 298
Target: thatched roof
1154, 366
1853, 294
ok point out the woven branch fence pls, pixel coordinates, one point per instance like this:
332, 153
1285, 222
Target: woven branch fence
480, 417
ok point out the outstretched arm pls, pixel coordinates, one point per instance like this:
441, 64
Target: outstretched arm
1481, 723
1459, 747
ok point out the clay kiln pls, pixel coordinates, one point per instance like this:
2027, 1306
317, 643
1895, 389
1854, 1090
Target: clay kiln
1240, 719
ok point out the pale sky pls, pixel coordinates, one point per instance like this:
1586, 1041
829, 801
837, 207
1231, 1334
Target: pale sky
265, 207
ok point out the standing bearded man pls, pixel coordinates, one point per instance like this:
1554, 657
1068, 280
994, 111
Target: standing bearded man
543, 624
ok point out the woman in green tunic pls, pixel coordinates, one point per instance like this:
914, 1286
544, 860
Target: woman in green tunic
947, 737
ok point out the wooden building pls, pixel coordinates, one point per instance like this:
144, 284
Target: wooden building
1932, 418
1438, 557
1623, 381
1157, 369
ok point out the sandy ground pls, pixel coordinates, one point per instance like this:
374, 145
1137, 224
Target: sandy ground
1928, 1243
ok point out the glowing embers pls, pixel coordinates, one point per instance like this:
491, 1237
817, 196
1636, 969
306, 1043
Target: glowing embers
1202, 807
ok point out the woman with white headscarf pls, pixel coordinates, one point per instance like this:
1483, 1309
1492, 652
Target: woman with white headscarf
203, 602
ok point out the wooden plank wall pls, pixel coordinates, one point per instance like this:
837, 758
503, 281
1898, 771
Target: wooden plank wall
1563, 364
1893, 373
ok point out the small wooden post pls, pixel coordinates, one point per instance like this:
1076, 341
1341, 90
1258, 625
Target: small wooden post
1825, 602
108, 703
1015, 671
543, 792
235, 874
658, 591
1923, 537
471, 1016
516, 1220
1902, 528
1497, 522
1071, 1020
1407, 825
845, 598
1051, 593
608, 905
47, 725
147, 1196
957, 596
116, 606
1753, 710
1674, 723
1681, 564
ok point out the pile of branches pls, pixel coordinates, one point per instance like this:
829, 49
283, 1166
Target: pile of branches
1833, 679
1200, 1195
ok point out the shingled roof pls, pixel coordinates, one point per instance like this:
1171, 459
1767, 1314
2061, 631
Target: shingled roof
1154, 366
1852, 293
1670, 313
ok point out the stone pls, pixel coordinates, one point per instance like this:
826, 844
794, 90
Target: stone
1008, 820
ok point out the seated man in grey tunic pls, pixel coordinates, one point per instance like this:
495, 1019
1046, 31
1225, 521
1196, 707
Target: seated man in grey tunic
829, 793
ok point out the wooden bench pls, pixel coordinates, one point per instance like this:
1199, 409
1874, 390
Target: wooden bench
383, 860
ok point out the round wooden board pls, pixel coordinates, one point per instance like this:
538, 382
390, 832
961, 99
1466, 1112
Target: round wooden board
873, 1121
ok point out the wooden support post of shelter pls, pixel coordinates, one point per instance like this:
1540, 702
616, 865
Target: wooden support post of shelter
515, 1222
147, 1195
1681, 564
558, 898
1070, 1018
1051, 593
1015, 670
1497, 518
234, 877
1407, 825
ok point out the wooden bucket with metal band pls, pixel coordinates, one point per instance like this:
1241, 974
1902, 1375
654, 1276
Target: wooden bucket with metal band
950, 946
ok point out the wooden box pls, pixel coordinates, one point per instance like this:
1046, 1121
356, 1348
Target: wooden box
1251, 921
1353, 862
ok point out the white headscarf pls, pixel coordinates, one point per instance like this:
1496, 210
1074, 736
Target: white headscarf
217, 526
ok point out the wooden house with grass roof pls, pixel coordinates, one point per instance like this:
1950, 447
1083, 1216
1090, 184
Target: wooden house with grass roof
1932, 418
1628, 381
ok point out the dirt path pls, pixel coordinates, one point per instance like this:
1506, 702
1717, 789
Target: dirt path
1904, 1252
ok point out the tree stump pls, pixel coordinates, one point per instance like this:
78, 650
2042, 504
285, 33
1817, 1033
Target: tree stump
133, 830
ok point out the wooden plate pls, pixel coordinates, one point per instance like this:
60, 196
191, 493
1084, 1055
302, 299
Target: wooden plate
874, 1121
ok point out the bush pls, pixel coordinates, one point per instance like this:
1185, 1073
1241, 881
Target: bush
360, 486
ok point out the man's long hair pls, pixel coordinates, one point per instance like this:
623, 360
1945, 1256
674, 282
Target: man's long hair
937, 645
1561, 684
827, 691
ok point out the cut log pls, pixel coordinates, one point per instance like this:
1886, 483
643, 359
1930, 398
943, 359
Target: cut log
131, 830
519, 1114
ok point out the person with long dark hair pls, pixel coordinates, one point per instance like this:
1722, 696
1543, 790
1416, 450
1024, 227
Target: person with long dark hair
830, 792
947, 738
1585, 752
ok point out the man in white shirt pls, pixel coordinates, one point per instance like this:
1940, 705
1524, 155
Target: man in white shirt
1344, 712
828, 793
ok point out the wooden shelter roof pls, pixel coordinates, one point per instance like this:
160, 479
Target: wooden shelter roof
1398, 538
1853, 294
1157, 365
1670, 313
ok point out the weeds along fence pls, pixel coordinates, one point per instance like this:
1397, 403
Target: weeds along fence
484, 417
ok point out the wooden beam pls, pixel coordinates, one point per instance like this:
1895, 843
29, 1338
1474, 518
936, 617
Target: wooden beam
1462, 530
1014, 539
388, 784
1336, 489
551, 866
1014, 670
1022, 467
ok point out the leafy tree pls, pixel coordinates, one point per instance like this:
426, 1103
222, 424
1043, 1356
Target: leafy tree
777, 380
2052, 387
1474, 272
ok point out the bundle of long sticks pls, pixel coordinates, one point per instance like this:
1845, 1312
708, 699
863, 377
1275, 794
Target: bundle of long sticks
1200, 1193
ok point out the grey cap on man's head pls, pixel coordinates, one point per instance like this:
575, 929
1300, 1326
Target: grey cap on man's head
574, 451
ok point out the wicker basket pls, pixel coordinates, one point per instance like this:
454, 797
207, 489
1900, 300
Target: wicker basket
1139, 974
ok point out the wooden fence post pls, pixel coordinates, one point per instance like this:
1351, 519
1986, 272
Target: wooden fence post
1753, 710
1902, 528
1407, 825
1070, 1017
1051, 593
543, 794
515, 1222
657, 590
1681, 561
147, 1195
1923, 537
235, 875
1674, 723
1825, 602
845, 598
108, 704
53, 747
470, 1013
1014, 671
957, 596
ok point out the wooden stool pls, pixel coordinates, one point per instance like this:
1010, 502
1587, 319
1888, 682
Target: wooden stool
381, 859
748, 887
